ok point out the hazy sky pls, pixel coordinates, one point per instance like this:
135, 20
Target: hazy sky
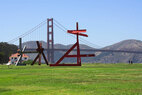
106, 21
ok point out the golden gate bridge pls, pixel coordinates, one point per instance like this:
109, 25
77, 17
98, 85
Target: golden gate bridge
50, 42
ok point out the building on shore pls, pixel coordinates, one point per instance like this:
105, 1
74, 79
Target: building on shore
14, 58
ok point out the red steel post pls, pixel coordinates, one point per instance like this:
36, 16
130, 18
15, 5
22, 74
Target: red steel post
78, 33
78, 49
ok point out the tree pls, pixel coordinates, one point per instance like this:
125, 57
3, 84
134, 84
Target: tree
6, 50
1, 57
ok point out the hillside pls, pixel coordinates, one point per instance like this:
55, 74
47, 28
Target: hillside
32, 44
132, 45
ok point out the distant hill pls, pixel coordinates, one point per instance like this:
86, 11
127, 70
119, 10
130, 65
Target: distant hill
102, 57
32, 44
132, 45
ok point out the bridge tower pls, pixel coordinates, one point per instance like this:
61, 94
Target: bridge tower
50, 41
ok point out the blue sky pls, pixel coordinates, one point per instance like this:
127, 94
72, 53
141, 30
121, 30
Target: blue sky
106, 21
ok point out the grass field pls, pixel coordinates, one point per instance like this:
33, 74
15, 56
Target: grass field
90, 79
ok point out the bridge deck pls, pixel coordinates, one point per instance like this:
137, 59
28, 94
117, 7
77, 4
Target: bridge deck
32, 50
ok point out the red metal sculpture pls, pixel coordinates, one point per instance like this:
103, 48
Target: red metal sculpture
78, 33
40, 51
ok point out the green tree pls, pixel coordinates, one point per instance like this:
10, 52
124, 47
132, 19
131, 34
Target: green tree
6, 50
1, 57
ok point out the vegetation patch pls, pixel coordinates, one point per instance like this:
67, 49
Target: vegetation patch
89, 79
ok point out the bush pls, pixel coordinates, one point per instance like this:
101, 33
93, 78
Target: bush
29, 62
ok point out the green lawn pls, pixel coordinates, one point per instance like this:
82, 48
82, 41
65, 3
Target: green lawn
89, 79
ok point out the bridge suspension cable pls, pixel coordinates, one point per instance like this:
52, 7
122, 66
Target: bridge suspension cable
57, 24
63, 28
28, 32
